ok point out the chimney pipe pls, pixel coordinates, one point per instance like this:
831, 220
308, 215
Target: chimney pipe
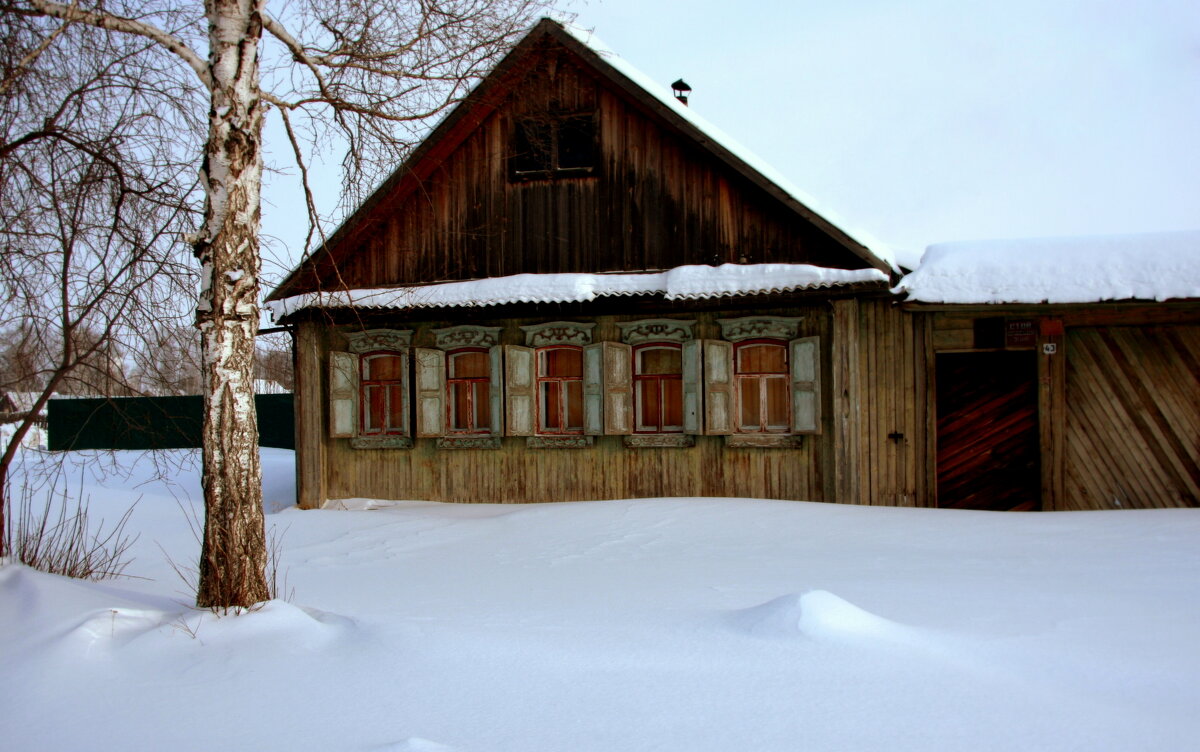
681, 91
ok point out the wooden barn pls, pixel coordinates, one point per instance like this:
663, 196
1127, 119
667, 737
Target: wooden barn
1065, 372
578, 289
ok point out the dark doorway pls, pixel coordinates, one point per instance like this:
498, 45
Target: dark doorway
988, 455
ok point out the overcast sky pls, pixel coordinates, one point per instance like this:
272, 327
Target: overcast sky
938, 120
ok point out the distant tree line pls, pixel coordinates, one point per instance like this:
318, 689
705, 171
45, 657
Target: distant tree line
166, 362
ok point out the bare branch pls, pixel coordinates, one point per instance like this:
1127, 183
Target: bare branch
111, 22
28, 60
314, 219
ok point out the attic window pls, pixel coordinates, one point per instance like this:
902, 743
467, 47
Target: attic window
553, 146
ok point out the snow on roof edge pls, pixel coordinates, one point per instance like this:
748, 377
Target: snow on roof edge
1089, 269
680, 283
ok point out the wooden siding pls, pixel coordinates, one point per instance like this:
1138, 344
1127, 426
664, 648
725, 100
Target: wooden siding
881, 399
310, 391
608, 469
656, 201
1118, 398
1132, 417
1118, 406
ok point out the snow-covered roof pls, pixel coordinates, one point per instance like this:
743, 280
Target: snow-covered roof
722, 139
1151, 266
680, 283
876, 252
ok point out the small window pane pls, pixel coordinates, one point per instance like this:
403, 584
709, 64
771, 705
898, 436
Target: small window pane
574, 406
749, 398
383, 368
395, 411
469, 365
762, 358
483, 412
577, 143
660, 360
532, 147
376, 405
777, 403
549, 408
649, 405
562, 363
460, 407
672, 405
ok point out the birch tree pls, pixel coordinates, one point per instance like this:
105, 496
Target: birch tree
371, 71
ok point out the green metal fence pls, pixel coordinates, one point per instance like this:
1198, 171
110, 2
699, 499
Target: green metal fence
154, 422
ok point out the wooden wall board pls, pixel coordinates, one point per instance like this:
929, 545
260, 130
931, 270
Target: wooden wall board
1133, 417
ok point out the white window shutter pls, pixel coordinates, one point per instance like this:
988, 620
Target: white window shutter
343, 394
593, 389
718, 387
496, 391
805, 354
519, 390
692, 392
618, 389
430, 376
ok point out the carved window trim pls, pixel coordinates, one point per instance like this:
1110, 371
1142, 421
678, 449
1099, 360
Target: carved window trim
371, 340
558, 333
785, 328
559, 442
659, 441
656, 330
466, 335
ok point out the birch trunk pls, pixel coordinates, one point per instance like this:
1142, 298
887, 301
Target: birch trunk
233, 556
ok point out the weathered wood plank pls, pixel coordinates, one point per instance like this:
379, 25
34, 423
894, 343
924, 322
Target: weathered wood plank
309, 408
1133, 422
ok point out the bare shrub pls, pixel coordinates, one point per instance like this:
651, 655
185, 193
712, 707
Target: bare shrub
60, 538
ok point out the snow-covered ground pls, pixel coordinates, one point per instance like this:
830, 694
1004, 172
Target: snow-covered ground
660, 624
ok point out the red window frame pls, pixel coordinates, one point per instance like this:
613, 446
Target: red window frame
746, 379
390, 391
559, 397
476, 405
662, 386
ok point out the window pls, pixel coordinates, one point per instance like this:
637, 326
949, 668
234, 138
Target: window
552, 386
665, 405
560, 390
382, 389
468, 385
553, 145
459, 388
368, 390
658, 388
762, 382
761, 387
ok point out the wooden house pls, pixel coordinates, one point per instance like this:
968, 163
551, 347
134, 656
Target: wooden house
575, 288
